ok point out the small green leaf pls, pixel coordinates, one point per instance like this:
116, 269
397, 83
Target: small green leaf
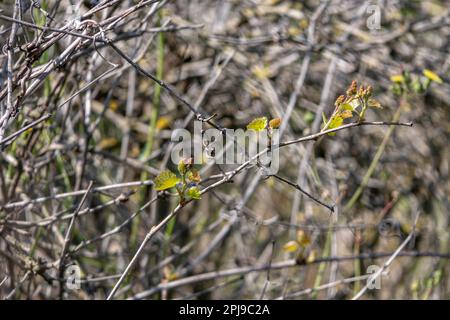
194, 193
432, 76
336, 122
258, 124
348, 106
166, 180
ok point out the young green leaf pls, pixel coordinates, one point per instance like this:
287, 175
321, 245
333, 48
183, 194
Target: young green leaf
258, 124
336, 122
348, 106
194, 193
166, 180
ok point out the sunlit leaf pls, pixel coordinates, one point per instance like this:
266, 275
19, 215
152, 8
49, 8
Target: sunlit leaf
166, 180
348, 106
290, 246
432, 76
194, 193
258, 124
336, 122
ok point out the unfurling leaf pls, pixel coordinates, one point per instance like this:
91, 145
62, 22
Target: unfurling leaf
290, 246
432, 76
194, 193
258, 124
166, 180
275, 123
374, 104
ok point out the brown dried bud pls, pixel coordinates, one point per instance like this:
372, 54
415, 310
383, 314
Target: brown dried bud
352, 89
339, 100
275, 123
361, 91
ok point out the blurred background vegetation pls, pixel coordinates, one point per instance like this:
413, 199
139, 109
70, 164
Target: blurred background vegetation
99, 119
